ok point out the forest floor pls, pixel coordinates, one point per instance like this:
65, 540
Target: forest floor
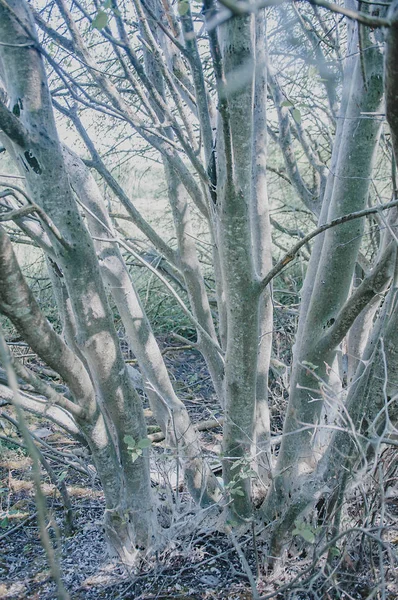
198, 562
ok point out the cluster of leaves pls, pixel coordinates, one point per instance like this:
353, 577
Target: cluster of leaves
136, 447
243, 471
308, 533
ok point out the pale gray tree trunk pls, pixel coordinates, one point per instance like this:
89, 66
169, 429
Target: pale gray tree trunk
169, 411
340, 247
130, 520
238, 271
262, 246
187, 255
18, 303
316, 347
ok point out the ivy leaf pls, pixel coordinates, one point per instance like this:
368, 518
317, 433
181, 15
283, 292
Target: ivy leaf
296, 115
130, 441
145, 443
100, 21
248, 472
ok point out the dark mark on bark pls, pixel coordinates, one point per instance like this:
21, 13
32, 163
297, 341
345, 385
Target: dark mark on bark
329, 323
18, 106
33, 162
24, 163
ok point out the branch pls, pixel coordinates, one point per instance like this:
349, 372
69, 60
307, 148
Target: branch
15, 214
130, 249
161, 142
32, 227
360, 17
46, 390
43, 516
284, 139
373, 284
100, 167
61, 40
41, 407
391, 77
200, 426
57, 482
291, 255
159, 24
12, 126
18, 303
242, 7
34, 208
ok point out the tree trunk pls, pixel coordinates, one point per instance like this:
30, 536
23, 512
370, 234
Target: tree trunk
129, 517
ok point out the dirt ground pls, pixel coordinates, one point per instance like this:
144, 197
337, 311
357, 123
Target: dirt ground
195, 561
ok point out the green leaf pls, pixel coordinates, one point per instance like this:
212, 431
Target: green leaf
312, 71
100, 21
183, 7
107, 4
236, 465
145, 443
62, 476
296, 115
334, 551
130, 441
237, 492
135, 454
250, 473
232, 523
4, 522
306, 533
287, 103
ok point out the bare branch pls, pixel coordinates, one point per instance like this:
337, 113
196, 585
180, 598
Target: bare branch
241, 7
373, 283
291, 255
33, 208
